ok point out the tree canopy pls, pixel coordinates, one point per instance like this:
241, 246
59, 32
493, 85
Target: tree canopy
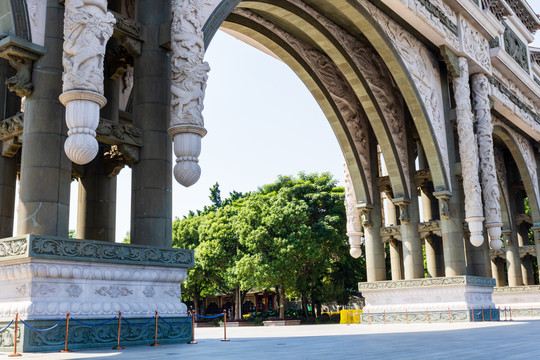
288, 235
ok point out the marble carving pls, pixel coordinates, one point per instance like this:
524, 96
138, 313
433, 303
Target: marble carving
87, 28
354, 227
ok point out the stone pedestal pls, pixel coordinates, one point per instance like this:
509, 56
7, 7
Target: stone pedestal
523, 300
446, 299
43, 277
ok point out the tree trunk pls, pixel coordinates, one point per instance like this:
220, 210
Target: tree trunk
196, 302
304, 305
238, 304
282, 302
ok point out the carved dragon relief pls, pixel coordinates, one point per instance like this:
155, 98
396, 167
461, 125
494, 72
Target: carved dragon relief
423, 67
336, 84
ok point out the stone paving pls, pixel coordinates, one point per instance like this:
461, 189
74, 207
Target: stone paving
500, 340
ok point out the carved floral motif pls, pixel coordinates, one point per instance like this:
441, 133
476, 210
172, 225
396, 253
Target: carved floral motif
475, 45
74, 291
114, 291
13, 247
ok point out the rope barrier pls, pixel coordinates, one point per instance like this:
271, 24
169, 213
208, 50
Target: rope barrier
137, 325
208, 317
4, 329
171, 324
41, 330
101, 323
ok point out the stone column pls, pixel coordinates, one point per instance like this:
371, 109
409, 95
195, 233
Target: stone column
8, 165
490, 186
375, 264
513, 261
468, 151
189, 73
413, 257
151, 200
536, 232
45, 169
396, 262
527, 271
497, 268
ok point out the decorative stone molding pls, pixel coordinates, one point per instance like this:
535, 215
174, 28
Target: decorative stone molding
21, 55
468, 151
87, 28
354, 228
129, 33
444, 198
189, 73
428, 282
490, 186
423, 67
429, 228
49, 247
113, 133
114, 291
473, 44
390, 232
366, 210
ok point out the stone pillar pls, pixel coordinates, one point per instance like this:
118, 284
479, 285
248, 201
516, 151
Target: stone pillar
189, 73
468, 151
8, 165
497, 269
375, 264
151, 200
536, 232
490, 186
45, 169
413, 257
527, 271
513, 261
396, 262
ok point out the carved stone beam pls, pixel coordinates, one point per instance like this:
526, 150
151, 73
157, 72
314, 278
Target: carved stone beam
403, 209
21, 54
468, 151
507, 236
113, 133
129, 33
189, 73
429, 227
87, 28
11, 130
526, 250
523, 218
118, 156
490, 186
422, 178
385, 186
390, 232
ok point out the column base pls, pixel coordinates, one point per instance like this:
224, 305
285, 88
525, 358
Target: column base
44, 277
429, 300
524, 301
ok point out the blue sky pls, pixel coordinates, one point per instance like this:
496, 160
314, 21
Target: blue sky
262, 122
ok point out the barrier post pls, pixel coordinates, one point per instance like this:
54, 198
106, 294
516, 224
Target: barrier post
15, 337
384, 314
118, 347
449, 317
155, 333
505, 314
510, 308
225, 326
406, 316
427, 314
472, 312
490, 318
482, 313
193, 314
67, 335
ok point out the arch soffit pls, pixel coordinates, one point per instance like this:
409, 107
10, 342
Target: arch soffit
504, 134
365, 18
316, 86
313, 32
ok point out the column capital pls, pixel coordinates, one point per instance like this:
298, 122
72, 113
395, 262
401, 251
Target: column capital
403, 209
365, 211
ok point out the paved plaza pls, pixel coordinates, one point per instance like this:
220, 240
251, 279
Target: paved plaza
501, 340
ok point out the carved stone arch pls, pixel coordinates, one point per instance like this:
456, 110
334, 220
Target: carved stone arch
299, 19
530, 180
426, 107
293, 52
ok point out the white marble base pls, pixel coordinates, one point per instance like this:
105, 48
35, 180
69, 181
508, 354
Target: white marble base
433, 294
40, 289
517, 297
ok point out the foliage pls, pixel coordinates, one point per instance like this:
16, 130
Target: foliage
288, 235
127, 238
